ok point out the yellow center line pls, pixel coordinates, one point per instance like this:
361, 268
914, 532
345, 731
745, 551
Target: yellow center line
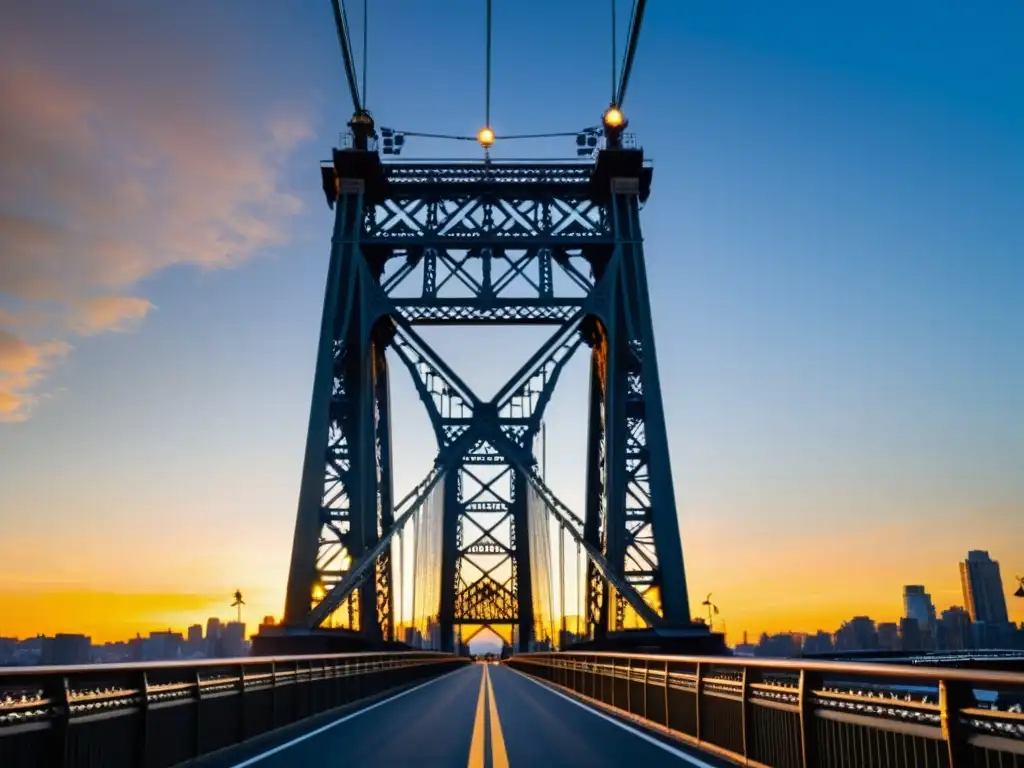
499, 758
476, 746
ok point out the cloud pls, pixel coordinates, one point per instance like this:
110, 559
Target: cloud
22, 365
109, 313
118, 161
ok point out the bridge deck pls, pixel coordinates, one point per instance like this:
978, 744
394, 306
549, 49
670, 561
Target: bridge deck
478, 716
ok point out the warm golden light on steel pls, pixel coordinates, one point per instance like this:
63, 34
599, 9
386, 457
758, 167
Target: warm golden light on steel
613, 118
319, 593
485, 136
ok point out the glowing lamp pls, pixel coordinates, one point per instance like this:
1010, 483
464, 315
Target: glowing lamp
614, 118
485, 136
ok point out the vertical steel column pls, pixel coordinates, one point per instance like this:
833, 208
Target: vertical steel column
616, 433
451, 516
363, 497
594, 516
338, 297
663, 517
386, 494
345, 498
523, 544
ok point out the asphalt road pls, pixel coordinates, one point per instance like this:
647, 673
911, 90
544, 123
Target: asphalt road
482, 716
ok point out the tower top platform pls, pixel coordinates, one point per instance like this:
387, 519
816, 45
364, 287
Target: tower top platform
523, 179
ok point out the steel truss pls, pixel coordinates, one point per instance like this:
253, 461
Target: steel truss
496, 243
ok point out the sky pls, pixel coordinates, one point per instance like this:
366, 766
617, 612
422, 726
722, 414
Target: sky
834, 244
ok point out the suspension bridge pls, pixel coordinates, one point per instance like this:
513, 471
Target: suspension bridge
369, 666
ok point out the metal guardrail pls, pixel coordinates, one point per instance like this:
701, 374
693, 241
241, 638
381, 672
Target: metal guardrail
799, 714
163, 714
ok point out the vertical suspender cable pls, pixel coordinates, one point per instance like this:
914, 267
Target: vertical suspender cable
614, 55
401, 586
365, 35
579, 592
487, 96
561, 585
414, 619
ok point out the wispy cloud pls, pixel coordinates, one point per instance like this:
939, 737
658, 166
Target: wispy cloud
115, 163
22, 366
108, 313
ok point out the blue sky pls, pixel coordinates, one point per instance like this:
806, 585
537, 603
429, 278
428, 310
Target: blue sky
834, 241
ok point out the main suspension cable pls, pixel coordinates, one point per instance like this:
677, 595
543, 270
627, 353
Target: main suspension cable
634, 38
346, 52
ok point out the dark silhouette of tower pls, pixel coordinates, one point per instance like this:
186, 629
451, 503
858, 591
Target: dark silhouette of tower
502, 231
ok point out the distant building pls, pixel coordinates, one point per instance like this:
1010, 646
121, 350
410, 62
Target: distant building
112, 653
136, 648
954, 630
889, 636
66, 649
195, 644
992, 636
918, 605
29, 651
983, 589
857, 634
213, 630
781, 646
819, 642
233, 640
911, 636
163, 646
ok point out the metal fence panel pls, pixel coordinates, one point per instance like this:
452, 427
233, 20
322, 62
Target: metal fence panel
162, 714
803, 714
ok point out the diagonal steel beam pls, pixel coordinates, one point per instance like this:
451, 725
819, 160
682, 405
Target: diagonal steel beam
574, 524
555, 343
435, 360
446, 460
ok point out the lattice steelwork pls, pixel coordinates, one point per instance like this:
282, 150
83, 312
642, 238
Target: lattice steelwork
481, 243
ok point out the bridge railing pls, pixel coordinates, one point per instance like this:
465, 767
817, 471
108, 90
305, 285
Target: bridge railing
165, 713
798, 714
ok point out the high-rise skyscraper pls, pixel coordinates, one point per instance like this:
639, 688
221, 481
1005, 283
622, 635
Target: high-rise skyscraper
917, 605
983, 588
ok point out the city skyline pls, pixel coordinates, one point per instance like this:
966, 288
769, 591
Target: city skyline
720, 619
833, 245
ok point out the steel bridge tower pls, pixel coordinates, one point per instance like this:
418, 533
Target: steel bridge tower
484, 225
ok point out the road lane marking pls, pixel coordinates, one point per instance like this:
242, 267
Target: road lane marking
339, 721
476, 744
499, 757
635, 731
